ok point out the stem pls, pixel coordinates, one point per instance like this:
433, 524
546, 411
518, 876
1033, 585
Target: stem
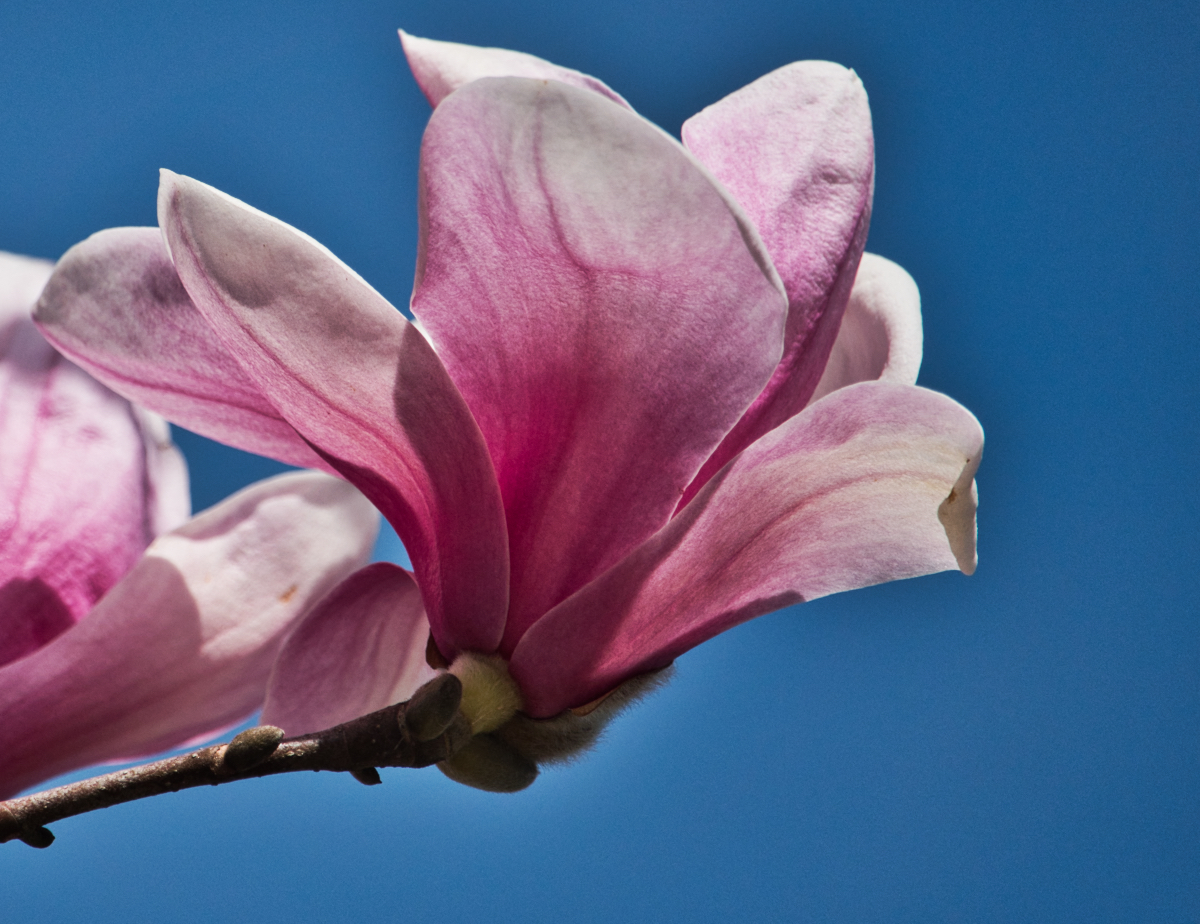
425, 730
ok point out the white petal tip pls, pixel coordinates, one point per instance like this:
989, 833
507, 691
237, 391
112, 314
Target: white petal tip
957, 516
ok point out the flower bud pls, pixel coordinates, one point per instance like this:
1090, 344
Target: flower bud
251, 748
489, 764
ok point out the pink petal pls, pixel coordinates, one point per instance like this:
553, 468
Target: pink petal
873, 483
116, 306
594, 297
361, 385
795, 148
168, 493
183, 646
358, 650
880, 337
86, 481
440, 68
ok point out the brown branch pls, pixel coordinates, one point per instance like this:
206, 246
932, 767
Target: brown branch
425, 730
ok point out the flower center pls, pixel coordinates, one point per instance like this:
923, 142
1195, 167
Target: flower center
490, 695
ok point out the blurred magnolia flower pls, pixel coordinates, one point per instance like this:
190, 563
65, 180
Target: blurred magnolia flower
106, 652
654, 390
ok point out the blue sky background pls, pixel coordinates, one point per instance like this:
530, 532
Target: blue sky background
1023, 745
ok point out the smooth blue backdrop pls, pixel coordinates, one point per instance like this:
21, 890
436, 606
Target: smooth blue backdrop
1023, 745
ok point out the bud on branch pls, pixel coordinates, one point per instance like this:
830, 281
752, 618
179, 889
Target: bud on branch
423, 731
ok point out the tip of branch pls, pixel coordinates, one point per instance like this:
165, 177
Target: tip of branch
39, 837
368, 776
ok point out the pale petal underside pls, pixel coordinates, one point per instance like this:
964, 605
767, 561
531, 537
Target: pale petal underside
880, 336
116, 306
358, 650
361, 385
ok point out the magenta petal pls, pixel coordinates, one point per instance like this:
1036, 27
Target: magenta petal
358, 650
880, 336
593, 296
362, 386
183, 646
116, 306
874, 483
795, 147
440, 68
86, 481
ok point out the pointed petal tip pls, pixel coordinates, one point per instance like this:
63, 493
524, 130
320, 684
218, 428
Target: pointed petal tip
167, 181
440, 68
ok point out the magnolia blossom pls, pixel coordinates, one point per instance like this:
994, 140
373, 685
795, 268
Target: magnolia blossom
110, 650
653, 390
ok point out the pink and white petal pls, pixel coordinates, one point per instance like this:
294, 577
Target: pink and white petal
168, 497
183, 646
21, 279
880, 338
359, 649
796, 149
594, 297
362, 386
440, 68
873, 483
115, 305
81, 493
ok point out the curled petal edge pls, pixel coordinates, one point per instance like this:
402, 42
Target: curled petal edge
880, 338
117, 307
360, 649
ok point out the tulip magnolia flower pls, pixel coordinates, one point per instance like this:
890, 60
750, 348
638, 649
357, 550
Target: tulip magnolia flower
105, 652
653, 390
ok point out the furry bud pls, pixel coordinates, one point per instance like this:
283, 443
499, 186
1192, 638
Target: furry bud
489, 764
490, 697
